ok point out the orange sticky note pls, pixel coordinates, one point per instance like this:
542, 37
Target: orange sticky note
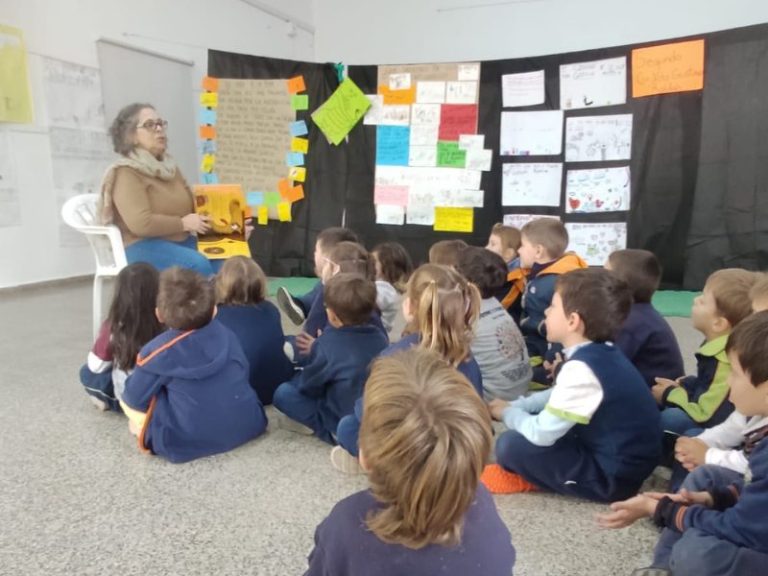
296, 193
207, 132
210, 84
394, 97
300, 145
284, 187
296, 84
263, 215
298, 173
284, 211
668, 68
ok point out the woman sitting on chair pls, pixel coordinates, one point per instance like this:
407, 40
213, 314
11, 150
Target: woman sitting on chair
147, 198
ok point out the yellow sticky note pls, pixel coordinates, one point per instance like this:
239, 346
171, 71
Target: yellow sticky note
263, 216
284, 211
454, 219
15, 96
297, 173
208, 162
209, 99
300, 145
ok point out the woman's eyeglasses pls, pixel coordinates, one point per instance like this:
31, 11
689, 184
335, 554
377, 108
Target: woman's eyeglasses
154, 124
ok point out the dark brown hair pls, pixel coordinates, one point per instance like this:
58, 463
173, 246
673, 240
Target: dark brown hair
351, 297
329, 237
425, 437
550, 233
124, 125
240, 282
509, 235
600, 298
748, 343
640, 269
730, 288
185, 300
485, 269
395, 262
446, 252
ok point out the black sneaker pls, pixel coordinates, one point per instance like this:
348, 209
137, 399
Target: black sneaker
287, 305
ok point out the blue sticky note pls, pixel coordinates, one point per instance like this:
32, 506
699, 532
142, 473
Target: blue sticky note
208, 116
298, 128
208, 147
392, 145
296, 159
210, 178
254, 198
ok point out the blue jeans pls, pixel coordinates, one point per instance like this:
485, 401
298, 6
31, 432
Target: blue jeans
164, 254
291, 402
677, 421
347, 433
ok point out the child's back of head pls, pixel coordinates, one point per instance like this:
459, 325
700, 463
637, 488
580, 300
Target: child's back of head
329, 237
730, 288
758, 294
132, 317
185, 300
550, 234
445, 308
393, 264
424, 439
446, 252
240, 282
485, 269
349, 258
351, 297
640, 269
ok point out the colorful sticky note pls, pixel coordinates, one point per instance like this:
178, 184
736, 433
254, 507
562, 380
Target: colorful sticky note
298, 128
207, 163
342, 111
391, 195
210, 178
284, 211
297, 173
457, 119
207, 116
263, 216
296, 84
210, 84
392, 145
394, 97
300, 145
454, 219
449, 155
284, 187
668, 68
207, 132
294, 159
300, 102
208, 146
296, 193
209, 99
254, 198
272, 198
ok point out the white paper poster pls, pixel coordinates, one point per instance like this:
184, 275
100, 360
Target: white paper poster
593, 84
469, 72
426, 180
430, 92
532, 133
392, 215
598, 138
478, 159
594, 242
471, 141
425, 135
534, 184
373, 115
425, 114
526, 89
600, 190
73, 96
395, 115
422, 156
10, 205
520, 220
460, 198
461, 93
399, 81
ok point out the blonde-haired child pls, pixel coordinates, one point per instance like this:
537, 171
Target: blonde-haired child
441, 308
424, 440
241, 291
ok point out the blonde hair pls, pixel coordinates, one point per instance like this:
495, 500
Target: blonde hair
446, 252
445, 307
549, 233
509, 236
759, 290
240, 282
730, 288
425, 437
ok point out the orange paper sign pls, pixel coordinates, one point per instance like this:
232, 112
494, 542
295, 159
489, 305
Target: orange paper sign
207, 132
394, 97
668, 68
284, 187
210, 84
296, 84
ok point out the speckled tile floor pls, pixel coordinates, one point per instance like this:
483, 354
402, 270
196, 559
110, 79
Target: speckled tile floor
77, 497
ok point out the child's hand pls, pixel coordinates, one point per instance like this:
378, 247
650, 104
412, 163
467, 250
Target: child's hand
551, 367
690, 498
497, 407
691, 452
304, 343
627, 512
661, 385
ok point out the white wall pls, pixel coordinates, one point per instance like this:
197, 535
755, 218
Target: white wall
67, 30
412, 31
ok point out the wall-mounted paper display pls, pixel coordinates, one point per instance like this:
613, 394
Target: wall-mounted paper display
461, 93
532, 133
425, 114
595, 241
425, 135
373, 115
399, 115
525, 89
534, 184
454, 219
600, 190
668, 68
598, 138
428, 92
460, 198
468, 72
423, 156
399, 81
390, 215
520, 220
593, 84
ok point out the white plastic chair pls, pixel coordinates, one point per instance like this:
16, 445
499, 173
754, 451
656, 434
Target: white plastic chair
81, 213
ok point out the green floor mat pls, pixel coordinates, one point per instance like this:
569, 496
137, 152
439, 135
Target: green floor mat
674, 302
296, 286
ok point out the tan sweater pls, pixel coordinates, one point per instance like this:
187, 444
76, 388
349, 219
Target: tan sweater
147, 207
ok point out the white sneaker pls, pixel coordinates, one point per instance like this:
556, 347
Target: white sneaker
344, 462
99, 403
287, 305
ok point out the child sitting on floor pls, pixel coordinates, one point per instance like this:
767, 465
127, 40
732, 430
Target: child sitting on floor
505, 241
189, 395
446, 252
241, 289
596, 433
423, 442
130, 324
393, 268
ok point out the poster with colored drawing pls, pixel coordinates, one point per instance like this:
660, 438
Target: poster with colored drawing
600, 190
531, 184
520, 220
531, 133
595, 241
593, 84
598, 138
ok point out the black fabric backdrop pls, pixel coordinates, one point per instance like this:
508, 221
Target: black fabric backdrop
699, 169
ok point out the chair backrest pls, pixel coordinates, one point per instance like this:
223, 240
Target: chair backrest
81, 213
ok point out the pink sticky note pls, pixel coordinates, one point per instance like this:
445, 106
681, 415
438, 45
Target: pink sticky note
392, 195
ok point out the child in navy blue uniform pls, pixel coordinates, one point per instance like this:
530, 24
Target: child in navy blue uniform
596, 433
189, 395
645, 338
716, 525
241, 289
332, 379
505, 241
423, 442
441, 309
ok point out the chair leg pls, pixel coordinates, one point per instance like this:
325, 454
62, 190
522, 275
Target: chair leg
97, 290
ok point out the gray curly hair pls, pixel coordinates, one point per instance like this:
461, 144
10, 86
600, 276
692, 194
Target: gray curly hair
124, 125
